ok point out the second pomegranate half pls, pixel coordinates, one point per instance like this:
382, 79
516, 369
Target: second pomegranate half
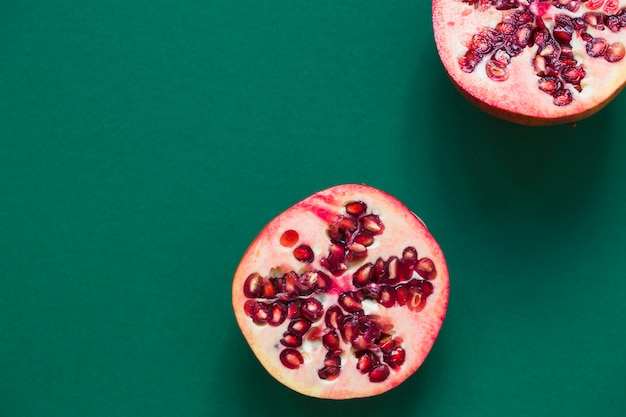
343, 294
534, 62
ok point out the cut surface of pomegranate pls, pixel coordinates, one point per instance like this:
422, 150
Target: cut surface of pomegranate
343, 294
534, 62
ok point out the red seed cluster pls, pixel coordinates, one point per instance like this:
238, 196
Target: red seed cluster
554, 63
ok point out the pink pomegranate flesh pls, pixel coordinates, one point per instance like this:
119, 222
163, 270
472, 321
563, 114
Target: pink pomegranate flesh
534, 62
343, 294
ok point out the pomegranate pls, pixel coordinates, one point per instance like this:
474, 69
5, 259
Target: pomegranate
534, 62
342, 295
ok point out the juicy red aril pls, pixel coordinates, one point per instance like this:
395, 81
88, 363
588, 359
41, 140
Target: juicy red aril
329, 372
312, 309
334, 317
350, 302
331, 340
289, 238
379, 373
596, 47
257, 311
363, 275
426, 268
614, 52
315, 281
355, 208
277, 313
332, 367
291, 358
253, 286
387, 296
291, 340
294, 309
303, 253
299, 327
366, 360
395, 357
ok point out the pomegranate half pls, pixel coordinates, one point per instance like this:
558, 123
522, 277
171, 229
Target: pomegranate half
534, 62
342, 295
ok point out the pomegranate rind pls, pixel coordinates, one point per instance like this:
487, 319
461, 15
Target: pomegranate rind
310, 218
517, 98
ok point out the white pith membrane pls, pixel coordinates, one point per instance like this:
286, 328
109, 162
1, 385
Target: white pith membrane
415, 331
518, 98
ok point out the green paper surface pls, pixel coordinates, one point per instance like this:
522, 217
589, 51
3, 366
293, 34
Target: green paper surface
145, 144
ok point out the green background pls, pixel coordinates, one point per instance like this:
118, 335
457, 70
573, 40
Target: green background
145, 144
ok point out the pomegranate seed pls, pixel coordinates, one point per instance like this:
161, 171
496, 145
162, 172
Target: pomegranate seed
394, 271
291, 340
522, 35
334, 317
315, 281
277, 314
253, 285
258, 311
291, 358
366, 360
549, 84
357, 250
573, 5
426, 268
387, 296
596, 47
370, 292
612, 22
424, 287
573, 75
481, 44
414, 300
386, 343
269, 290
562, 34
562, 97
347, 224
349, 301
468, 62
333, 358
611, 6
593, 19
409, 259
594, 4
330, 340
379, 373
363, 275
303, 253
395, 358
299, 327
402, 294
312, 309
291, 285
329, 372
496, 71
540, 36
355, 208
335, 262
372, 223
289, 238
293, 309
364, 238
614, 52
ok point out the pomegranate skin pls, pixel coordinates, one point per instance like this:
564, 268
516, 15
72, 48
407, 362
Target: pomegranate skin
323, 358
514, 91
